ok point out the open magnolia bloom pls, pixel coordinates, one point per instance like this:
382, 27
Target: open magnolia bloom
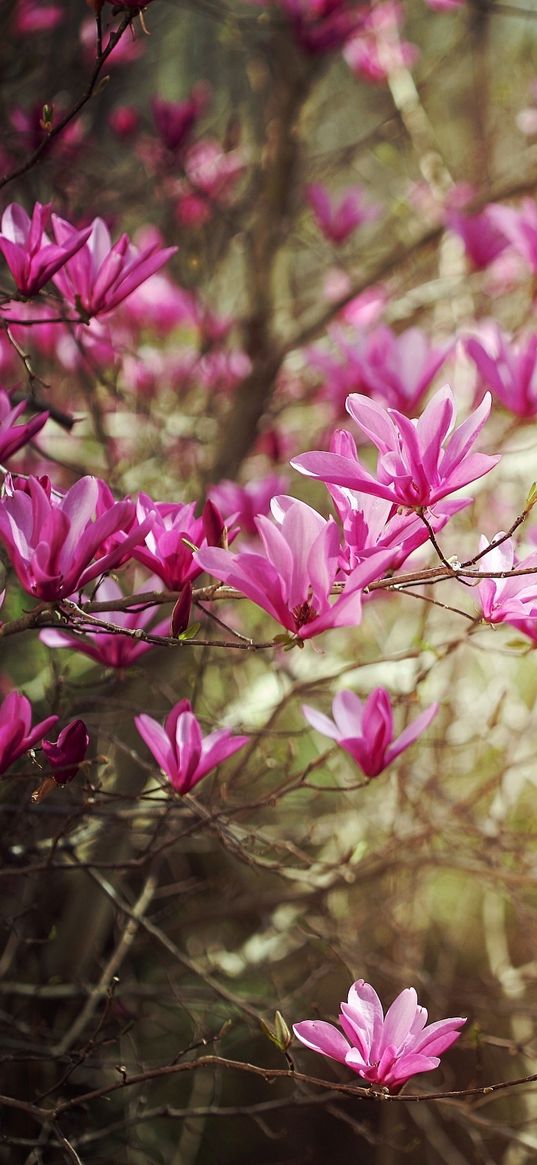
180, 749
383, 1049
420, 461
365, 729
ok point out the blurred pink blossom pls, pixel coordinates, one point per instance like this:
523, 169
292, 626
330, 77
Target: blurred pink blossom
508, 367
106, 647
338, 220
376, 50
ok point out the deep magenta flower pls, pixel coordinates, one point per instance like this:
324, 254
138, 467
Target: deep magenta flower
320, 26
365, 730
414, 468
482, 236
338, 220
504, 600
29, 254
508, 368
52, 539
171, 530
16, 732
12, 436
383, 1049
181, 750
107, 647
65, 755
293, 579
102, 275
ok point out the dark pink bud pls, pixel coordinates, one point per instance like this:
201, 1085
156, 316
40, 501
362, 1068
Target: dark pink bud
181, 611
213, 524
65, 756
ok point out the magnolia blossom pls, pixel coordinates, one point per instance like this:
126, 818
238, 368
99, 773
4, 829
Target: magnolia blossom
172, 532
382, 1049
376, 50
12, 436
16, 732
184, 755
320, 26
102, 275
371, 523
28, 252
504, 600
109, 648
396, 370
419, 461
293, 579
55, 542
365, 730
483, 238
340, 219
64, 755
244, 503
507, 367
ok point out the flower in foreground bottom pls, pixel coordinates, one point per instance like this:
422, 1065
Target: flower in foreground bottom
383, 1049
179, 748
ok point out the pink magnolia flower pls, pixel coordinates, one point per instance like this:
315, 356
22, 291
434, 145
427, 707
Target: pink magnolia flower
376, 50
371, 523
29, 254
52, 539
483, 237
106, 647
12, 436
504, 600
519, 226
507, 367
181, 750
414, 468
175, 120
64, 755
213, 172
365, 730
169, 529
244, 503
101, 276
293, 579
339, 220
320, 26
445, 5
395, 369
383, 1049
16, 732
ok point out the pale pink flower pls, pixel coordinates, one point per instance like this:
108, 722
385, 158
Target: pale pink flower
504, 600
382, 1049
365, 730
419, 462
376, 50
179, 748
520, 228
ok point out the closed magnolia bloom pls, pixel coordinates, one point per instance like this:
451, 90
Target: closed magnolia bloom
16, 732
365, 729
184, 755
64, 755
382, 1049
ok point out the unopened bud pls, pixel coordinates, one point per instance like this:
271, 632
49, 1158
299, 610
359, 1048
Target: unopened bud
279, 1033
213, 525
182, 610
